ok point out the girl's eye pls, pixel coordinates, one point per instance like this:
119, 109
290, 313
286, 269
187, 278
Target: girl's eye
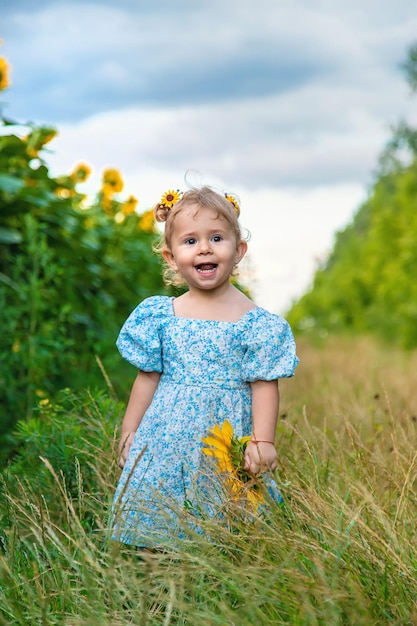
216, 238
190, 241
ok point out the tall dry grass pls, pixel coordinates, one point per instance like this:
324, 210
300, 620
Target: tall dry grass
340, 551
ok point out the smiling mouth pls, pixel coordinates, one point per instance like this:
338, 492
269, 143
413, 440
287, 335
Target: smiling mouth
206, 268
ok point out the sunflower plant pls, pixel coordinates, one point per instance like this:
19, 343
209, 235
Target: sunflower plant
229, 453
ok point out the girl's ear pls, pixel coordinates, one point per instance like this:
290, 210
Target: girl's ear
241, 250
169, 258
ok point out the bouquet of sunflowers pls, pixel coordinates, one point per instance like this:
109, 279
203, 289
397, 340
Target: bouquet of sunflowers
229, 451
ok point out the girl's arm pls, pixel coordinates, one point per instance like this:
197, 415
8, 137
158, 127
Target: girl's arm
260, 452
141, 396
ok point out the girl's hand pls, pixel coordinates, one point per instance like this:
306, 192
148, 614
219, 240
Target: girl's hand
260, 456
125, 442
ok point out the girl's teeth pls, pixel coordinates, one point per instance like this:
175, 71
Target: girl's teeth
206, 268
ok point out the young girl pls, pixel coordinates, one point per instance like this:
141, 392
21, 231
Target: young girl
208, 355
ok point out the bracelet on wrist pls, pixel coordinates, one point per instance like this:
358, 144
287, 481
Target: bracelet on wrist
262, 441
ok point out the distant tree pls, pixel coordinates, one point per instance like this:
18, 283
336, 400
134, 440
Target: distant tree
368, 282
410, 67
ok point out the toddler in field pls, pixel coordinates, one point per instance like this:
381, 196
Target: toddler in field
206, 356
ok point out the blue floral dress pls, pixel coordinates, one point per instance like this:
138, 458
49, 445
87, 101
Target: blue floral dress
206, 367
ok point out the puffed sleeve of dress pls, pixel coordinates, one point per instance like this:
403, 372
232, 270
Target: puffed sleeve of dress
139, 339
270, 347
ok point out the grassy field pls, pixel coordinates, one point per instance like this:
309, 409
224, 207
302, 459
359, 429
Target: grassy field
341, 550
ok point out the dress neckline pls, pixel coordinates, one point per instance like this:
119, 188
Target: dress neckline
197, 319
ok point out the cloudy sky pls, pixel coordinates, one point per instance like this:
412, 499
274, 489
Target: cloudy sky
286, 103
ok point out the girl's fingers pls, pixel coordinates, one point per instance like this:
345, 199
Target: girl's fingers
254, 468
251, 465
122, 460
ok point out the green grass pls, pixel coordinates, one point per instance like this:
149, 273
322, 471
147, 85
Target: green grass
340, 551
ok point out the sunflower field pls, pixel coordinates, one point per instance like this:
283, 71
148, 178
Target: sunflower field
72, 267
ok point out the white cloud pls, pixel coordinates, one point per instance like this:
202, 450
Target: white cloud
291, 233
314, 136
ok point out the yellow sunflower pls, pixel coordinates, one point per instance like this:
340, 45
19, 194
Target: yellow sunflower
106, 202
80, 173
112, 182
229, 452
4, 74
170, 197
254, 497
129, 206
64, 193
220, 442
147, 221
233, 201
241, 490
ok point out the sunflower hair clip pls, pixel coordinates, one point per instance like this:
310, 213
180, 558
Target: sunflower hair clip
233, 201
169, 198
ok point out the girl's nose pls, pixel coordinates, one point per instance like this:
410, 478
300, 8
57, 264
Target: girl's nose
204, 247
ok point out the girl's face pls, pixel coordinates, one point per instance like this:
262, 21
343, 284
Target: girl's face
203, 248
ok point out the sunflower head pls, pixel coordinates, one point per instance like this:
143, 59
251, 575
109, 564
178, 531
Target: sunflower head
80, 174
233, 202
4, 74
112, 182
219, 444
129, 205
228, 451
147, 222
170, 197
